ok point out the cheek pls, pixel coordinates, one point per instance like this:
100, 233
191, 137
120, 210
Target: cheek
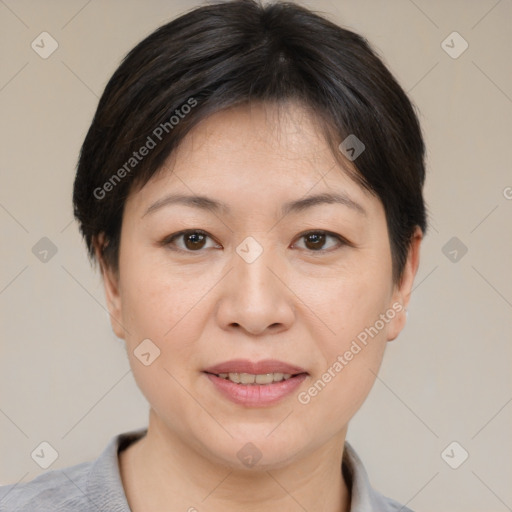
160, 306
354, 339
157, 298
349, 364
351, 303
169, 308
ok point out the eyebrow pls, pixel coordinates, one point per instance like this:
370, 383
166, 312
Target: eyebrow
299, 205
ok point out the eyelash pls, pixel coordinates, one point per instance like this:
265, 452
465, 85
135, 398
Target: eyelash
169, 240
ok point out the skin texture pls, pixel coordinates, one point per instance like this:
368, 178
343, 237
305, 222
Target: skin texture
208, 305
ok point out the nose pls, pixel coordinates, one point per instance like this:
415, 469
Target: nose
255, 296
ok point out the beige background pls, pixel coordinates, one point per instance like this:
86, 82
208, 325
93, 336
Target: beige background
65, 378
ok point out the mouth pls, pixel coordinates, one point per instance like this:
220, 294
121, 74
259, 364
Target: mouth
255, 384
265, 367
248, 379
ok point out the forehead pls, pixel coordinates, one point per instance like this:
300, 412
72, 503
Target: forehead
258, 150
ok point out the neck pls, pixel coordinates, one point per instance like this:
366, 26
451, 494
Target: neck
161, 472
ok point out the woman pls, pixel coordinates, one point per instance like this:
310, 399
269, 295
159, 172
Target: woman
251, 187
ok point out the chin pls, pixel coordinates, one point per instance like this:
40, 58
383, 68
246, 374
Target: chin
255, 450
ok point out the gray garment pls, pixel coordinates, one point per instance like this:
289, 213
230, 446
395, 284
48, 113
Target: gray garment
96, 485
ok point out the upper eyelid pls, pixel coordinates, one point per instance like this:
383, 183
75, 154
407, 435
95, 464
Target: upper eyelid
168, 239
341, 239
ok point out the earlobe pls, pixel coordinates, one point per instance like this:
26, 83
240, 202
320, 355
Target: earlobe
402, 294
111, 287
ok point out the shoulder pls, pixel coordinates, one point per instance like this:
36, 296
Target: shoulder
88, 486
384, 504
363, 496
59, 490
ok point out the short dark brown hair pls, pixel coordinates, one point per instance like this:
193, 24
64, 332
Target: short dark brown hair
230, 53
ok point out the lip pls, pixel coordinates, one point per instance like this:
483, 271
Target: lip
256, 395
256, 368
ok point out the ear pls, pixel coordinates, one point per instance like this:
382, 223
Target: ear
402, 292
111, 286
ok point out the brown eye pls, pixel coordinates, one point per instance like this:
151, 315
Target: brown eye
315, 241
192, 241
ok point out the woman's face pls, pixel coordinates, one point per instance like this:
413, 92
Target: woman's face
259, 281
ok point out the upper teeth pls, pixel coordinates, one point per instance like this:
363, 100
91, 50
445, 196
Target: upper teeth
249, 378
